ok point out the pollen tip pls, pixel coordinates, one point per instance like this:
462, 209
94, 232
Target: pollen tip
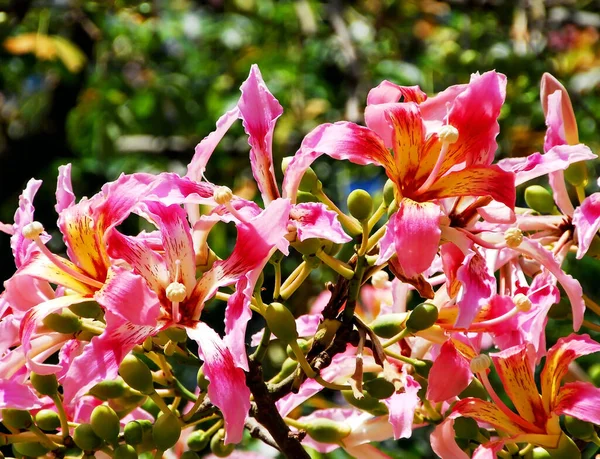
223, 195
480, 363
176, 292
513, 237
448, 134
380, 279
32, 230
522, 302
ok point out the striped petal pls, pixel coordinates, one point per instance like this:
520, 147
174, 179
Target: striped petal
443, 441
487, 412
64, 189
448, 362
580, 400
586, 219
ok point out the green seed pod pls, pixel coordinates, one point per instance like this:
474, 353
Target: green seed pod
105, 423
147, 438
367, 403
32, 449
281, 322
133, 433
466, 428
17, 419
125, 452
151, 407
422, 317
303, 196
539, 199
136, 374
310, 182
47, 420
475, 389
579, 429
388, 192
331, 248
423, 370
577, 174
308, 246
176, 334
218, 447
166, 431
202, 381
86, 438
594, 373
388, 325
379, 388
66, 322
360, 204
198, 440
304, 345
393, 208
566, 449
285, 162
90, 310
44, 384
108, 389
540, 453
328, 431
161, 338
189, 455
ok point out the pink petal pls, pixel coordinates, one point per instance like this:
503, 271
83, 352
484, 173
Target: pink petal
580, 400
448, 362
206, 147
402, 408
488, 450
443, 441
560, 193
435, 109
227, 389
307, 389
496, 212
313, 219
586, 219
237, 315
170, 188
387, 92
64, 189
555, 134
259, 111
17, 396
479, 284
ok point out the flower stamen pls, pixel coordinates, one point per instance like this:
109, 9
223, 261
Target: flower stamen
447, 135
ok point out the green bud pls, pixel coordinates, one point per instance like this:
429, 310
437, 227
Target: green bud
161, 338
17, 419
328, 431
86, 438
360, 204
44, 384
133, 433
367, 403
540, 453
594, 373
189, 455
176, 334
285, 162
32, 449
475, 389
136, 374
310, 182
308, 246
125, 452
331, 248
539, 199
303, 196
304, 346
577, 174
579, 429
47, 420
422, 317
108, 389
388, 192
281, 322
90, 310
147, 439
105, 423
218, 447
423, 370
151, 407
466, 428
566, 449
198, 440
379, 388
388, 325
166, 431
202, 381
66, 322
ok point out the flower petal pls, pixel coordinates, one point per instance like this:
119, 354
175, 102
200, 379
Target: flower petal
313, 219
64, 189
443, 441
237, 315
227, 389
580, 400
402, 408
386, 92
448, 362
563, 109
487, 412
478, 283
16, 395
586, 219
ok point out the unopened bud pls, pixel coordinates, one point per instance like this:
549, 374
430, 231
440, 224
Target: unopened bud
388, 192
366, 403
310, 183
85, 437
125, 452
580, 429
218, 446
422, 317
480, 363
66, 322
466, 428
360, 204
17, 419
475, 389
379, 388
513, 237
308, 246
88, 310
380, 279
133, 433
105, 423
47, 420
448, 134
303, 196
285, 162
136, 374
539, 199
281, 322
32, 230
388, 325
328, 431
189, 455
522, 302
222, 195
166, 431
176, 292
577, 174
30, 449
176, 334
198, 440
540, 453
44, 384
202, 381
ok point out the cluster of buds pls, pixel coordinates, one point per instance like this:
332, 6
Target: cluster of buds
438, 281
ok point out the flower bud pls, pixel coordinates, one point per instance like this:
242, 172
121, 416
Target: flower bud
32, 230
105, 423
202, 381
579, 429
285, 162
360, 204
540, 453
513, 237
218, 447
566, 448
88, 310
367, 403
480, 363
380, 279
577, 174
310, 183
189, 455
136, 374
379, 388
303, 196
388, 325
44, 384
424, 369
17, 419
388, 192
330, 248
30, 449
108, 389
125, 452
176, 334
475, 389
281, 322
448, 134
198, 440
327, 431
466, 428
422, 317
66, 322
47, 420
304, 346
166, 431
539, 199
133, 433
522, 302
308, 246
85, 438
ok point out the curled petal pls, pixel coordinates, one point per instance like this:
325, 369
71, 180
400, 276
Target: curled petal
479, 284
487, 412
448, 362
64, 189
580, 400
586, 219
402, 408
387, 92
563, 109
313, 219
14, 394
443, 441
560, 193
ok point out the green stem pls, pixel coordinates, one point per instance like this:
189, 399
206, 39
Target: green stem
337, 265
184, 392
62, 415
375, 237
277, 286
301, 359
396, 338
161, 404
365, 238
350, 223
192, 411
43, 437
261, 350
354, 289
380, 212
287, 291
402, 358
